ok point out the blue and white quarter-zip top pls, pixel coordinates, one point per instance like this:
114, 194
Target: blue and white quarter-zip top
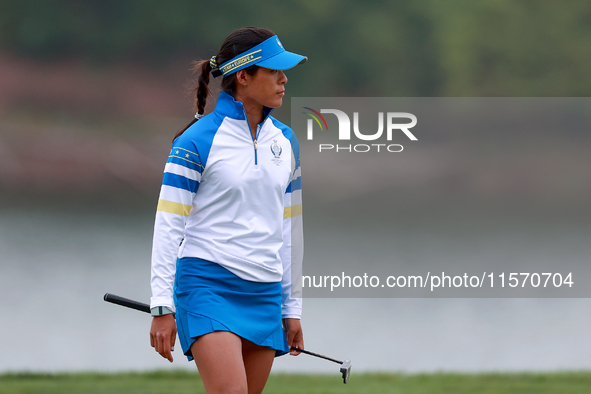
231, 199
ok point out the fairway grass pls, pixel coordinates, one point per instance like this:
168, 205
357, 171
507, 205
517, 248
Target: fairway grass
181, 382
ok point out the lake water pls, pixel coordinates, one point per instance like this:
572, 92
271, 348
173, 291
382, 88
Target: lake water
56, 266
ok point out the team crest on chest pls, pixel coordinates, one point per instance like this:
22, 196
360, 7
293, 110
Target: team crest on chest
276, 149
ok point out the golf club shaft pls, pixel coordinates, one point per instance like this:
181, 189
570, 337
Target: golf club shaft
316, 355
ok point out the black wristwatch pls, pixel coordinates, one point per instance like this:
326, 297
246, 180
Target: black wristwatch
160, 311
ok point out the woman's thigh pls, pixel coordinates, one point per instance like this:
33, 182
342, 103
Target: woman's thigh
258, 361
230, 364
218, 356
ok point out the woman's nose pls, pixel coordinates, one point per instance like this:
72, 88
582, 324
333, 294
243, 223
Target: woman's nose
282, 77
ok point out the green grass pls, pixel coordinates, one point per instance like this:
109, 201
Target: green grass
181, 382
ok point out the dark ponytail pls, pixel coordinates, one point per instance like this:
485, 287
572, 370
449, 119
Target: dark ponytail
237, 42
201, 91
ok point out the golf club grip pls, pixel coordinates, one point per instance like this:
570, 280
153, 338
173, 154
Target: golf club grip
115, 299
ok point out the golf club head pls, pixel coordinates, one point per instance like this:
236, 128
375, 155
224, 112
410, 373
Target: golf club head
346, 370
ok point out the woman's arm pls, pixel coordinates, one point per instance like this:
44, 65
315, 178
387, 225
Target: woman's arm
180, 183
292, 253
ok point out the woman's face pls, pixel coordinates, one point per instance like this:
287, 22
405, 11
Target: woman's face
266, 87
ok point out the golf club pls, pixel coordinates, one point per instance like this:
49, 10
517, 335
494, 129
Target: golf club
345, 365
140, 306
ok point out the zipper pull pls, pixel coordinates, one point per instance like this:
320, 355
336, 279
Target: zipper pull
256, 146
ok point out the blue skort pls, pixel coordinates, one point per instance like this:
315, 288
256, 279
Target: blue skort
210, 298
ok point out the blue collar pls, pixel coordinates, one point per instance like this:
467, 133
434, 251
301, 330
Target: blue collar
227, 106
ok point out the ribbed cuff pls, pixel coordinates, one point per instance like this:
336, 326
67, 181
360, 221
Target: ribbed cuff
162, 301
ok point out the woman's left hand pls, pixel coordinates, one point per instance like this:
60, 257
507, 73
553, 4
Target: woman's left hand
295, 335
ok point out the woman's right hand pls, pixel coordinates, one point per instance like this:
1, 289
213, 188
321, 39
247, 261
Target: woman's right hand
163, 335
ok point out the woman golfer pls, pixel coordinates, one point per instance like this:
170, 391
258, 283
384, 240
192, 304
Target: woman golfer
228, 224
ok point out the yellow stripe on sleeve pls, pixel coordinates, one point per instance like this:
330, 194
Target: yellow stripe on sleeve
291, 212
173, 207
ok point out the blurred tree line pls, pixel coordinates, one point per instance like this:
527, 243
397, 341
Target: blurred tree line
362, 48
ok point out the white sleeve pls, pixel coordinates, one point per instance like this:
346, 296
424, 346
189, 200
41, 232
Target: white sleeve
182, 175
292, 251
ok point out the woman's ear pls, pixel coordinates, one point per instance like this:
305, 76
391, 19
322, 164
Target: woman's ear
242, 77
